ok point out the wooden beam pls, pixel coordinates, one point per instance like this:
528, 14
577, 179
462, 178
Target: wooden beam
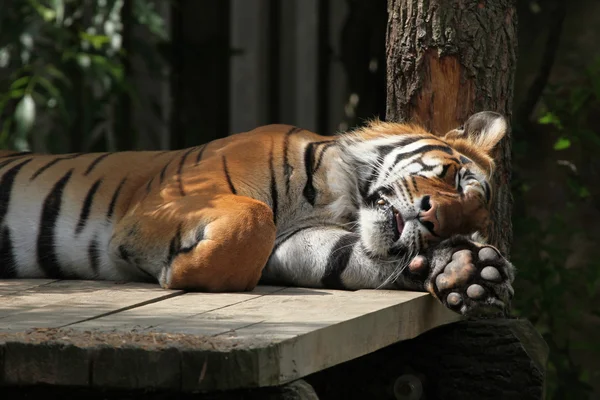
138, 336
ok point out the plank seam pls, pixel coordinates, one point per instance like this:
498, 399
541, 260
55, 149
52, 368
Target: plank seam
29, 288
143, 303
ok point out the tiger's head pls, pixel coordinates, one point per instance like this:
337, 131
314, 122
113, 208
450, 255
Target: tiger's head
415, 188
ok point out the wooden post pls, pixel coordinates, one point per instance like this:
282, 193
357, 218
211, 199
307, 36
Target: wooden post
447, 59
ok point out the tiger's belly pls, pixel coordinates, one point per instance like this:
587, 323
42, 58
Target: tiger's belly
37, 242
57, 216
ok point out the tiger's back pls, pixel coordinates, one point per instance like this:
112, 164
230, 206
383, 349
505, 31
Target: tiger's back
58, 213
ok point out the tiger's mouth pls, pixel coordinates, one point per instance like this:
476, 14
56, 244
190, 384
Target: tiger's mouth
397, 222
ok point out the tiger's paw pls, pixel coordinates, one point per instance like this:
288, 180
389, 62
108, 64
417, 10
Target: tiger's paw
470, 278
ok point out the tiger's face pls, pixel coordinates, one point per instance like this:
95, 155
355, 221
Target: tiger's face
417, 189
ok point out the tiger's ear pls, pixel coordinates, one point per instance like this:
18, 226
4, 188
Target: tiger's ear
483, 130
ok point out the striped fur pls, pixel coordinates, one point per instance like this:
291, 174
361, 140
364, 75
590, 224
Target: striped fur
278, 202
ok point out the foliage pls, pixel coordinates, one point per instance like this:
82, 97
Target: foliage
64, 69
557, 290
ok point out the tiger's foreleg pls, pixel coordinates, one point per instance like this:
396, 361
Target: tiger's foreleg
466, 276
219, 244
332, 257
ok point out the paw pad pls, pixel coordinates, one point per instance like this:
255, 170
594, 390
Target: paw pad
454, 299
491, 274
488, 254
475, 291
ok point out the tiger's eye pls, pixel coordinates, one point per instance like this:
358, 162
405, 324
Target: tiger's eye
381, 202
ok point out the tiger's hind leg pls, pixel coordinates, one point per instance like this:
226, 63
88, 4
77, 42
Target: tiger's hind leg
219, 244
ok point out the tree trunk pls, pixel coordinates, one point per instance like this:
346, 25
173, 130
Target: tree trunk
447, 59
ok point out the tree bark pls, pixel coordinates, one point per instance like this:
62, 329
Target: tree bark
447, 59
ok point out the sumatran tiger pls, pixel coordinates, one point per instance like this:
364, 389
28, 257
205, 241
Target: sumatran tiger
387, 206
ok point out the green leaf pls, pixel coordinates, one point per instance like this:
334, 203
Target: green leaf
17, 94
97, 41
50, 88
23, 81
57, 74
25, 115
562, 144
550, 119
46, 13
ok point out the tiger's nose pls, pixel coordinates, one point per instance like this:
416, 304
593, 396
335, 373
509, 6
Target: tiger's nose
428, 214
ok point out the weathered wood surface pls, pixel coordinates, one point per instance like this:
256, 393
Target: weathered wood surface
139, 336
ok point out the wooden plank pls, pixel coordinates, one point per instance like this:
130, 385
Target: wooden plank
158, 316
13, 286
62, 303
267, 337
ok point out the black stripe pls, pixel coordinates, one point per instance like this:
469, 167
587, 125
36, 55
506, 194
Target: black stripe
285, 238
124, 253
338, 261
113, 201
287, 168
164, 170
445, 169
488, 192
7, 257
325, 147
94, 255
180, 170
10, 160
422, 150
274, 192
149, 185
414, 183
365, 187
200, 153
95, 163
51, 163
19, 154
175, 246
229, 182
87, 205
46, 254
408, 192
309, 191
6, 184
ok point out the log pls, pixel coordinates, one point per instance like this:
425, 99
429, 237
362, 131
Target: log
447, 59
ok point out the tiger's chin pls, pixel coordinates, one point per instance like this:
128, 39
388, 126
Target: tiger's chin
383, 232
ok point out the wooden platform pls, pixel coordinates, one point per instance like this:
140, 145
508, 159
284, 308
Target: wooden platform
139, 336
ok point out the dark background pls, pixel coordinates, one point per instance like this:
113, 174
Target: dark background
83, 75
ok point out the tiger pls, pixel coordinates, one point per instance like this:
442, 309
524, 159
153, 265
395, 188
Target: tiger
384, 206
